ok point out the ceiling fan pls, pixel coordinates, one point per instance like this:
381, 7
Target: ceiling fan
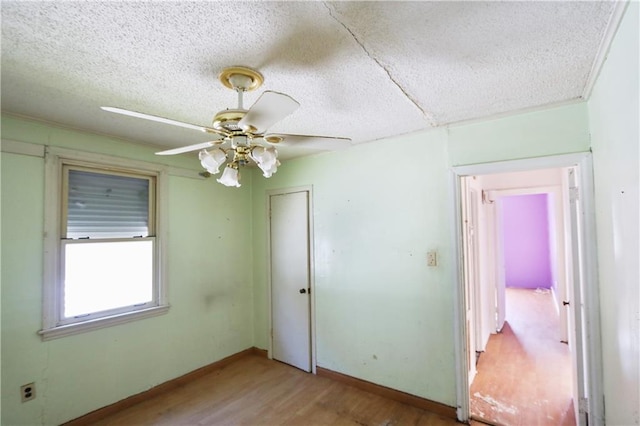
242, 137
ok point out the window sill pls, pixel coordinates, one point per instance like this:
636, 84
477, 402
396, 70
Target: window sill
82, 327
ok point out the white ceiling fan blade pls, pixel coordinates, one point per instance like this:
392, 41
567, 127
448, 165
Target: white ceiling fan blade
327, 143
189, 148
159, 119
270, 108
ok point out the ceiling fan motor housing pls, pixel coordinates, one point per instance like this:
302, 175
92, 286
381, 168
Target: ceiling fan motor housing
228, 119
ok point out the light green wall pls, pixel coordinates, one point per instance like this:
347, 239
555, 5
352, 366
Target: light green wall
382, 314
613, 113
209, 290
552, 131
41, 133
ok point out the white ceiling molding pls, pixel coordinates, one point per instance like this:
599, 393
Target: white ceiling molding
605, 45
515, 112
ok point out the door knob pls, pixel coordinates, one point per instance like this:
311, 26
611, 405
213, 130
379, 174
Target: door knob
303, 290
565, 303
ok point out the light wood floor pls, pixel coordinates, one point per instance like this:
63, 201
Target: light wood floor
257, 391
524, 376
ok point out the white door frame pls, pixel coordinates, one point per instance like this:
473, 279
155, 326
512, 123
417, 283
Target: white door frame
591, 346
312, 319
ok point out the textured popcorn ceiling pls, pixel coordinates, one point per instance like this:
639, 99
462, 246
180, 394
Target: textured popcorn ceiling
361, 70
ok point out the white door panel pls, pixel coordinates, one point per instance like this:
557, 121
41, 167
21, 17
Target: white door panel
471, 276
290, 301
575, 306
501, 304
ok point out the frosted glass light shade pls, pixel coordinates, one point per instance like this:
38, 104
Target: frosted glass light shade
212, 160
257, 153
230, 177
269, 170
266, 159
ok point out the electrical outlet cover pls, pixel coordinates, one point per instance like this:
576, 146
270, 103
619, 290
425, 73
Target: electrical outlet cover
432, 258
28, 392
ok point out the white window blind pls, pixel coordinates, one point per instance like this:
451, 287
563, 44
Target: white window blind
101, 205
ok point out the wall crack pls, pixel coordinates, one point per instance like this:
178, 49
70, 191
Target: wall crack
406, 94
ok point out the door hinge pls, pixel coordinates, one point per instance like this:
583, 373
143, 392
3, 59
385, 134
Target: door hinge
486, 199
574, 193
583, 405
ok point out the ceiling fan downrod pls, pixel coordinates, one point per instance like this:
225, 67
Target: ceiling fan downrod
241, 80
240, 97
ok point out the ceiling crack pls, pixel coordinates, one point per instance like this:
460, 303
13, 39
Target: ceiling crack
429, 117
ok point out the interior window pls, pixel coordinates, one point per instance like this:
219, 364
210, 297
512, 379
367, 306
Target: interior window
106, 264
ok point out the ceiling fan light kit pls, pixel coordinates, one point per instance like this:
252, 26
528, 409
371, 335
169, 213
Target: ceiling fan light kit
241, 130
212, 160
266, 159
230, 176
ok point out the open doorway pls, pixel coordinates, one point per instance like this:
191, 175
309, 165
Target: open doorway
557, 298
524, 370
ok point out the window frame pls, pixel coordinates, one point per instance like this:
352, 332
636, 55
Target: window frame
57, 161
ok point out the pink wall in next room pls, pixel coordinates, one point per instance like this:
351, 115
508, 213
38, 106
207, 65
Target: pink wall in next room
527, 257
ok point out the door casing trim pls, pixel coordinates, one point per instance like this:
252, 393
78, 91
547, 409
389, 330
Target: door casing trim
591, 323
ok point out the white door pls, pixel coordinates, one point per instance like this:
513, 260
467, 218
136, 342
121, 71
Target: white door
575, 305
561, 235
471, 277
488, 239
290, 284
501, 304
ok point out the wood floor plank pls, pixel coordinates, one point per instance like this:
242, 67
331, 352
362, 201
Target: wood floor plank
524, 376
256, 391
